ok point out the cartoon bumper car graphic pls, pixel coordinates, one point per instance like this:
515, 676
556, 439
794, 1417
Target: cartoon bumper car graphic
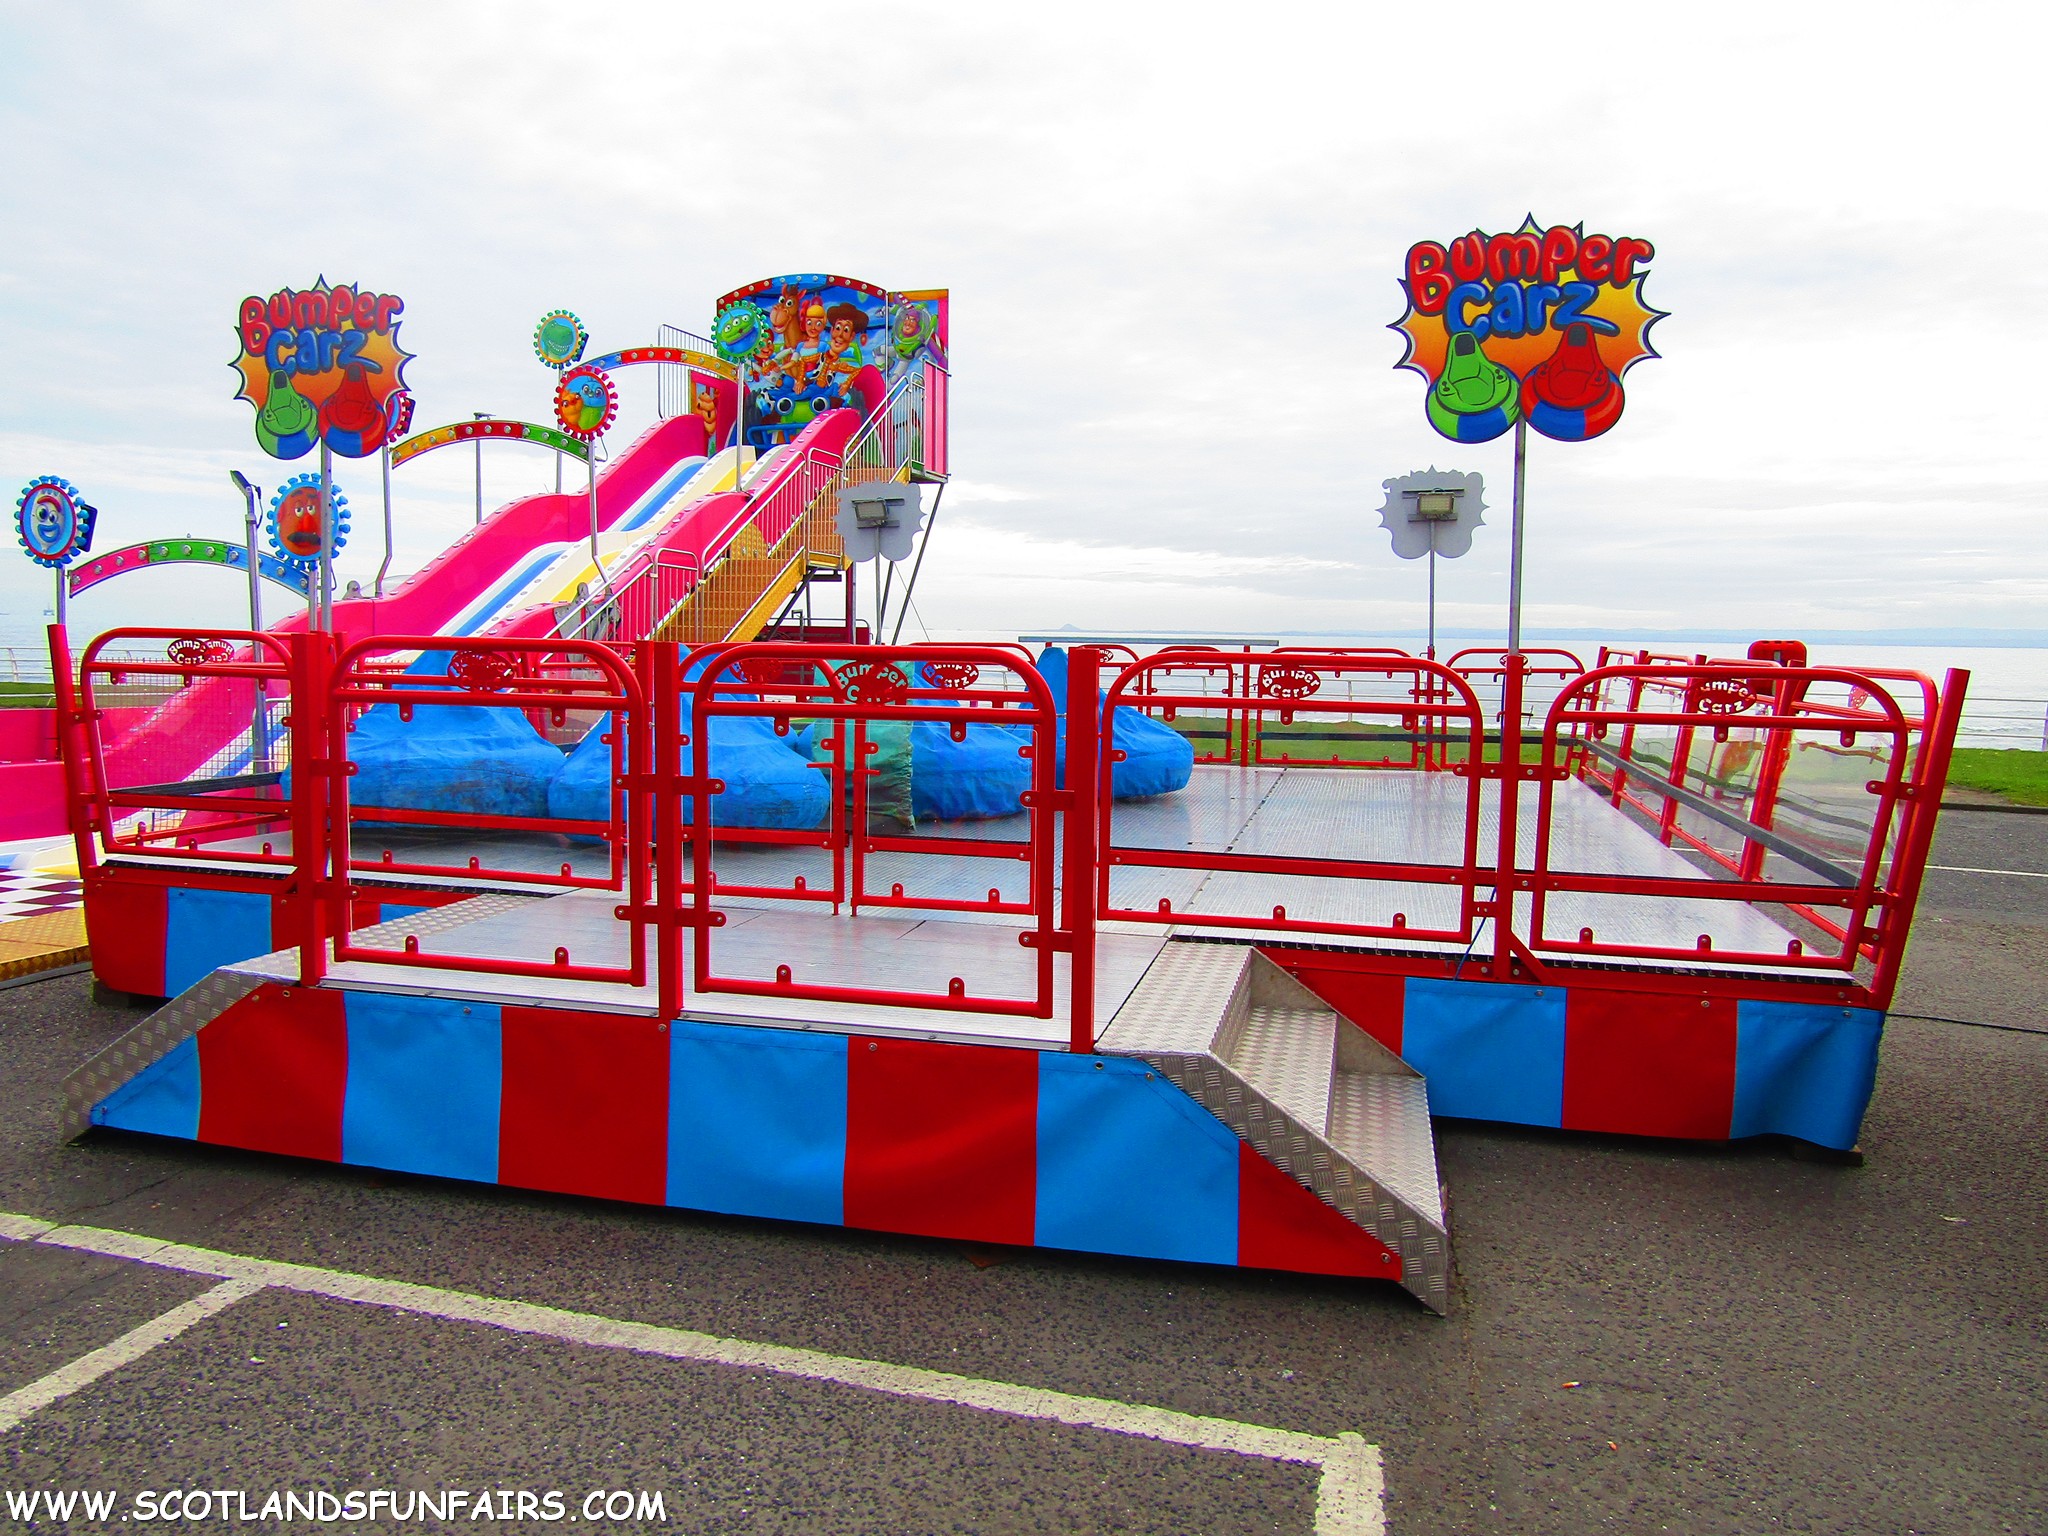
1475, 398
351, 420
287, 425
1572, 394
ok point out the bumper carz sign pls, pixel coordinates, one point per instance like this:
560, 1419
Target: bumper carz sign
1538, 325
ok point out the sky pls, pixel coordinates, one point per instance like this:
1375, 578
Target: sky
1173, 238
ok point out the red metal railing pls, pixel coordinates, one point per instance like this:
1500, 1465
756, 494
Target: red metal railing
1794, 788
1423, 696
191, 816
636, 607
938, 685
1732, 821
553, 676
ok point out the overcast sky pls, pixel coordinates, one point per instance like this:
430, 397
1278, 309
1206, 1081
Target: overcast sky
1173, 238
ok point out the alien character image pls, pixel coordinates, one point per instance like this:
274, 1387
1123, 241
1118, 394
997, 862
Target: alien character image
1475, 398
287, 425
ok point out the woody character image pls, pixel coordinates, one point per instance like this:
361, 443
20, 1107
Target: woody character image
842, 357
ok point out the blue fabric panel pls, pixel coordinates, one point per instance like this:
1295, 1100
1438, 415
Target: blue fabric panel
1490, 1052
424, 1076
205, 930
1805, 1070
1127, 1163
391, 911
163, 1098
757, 1122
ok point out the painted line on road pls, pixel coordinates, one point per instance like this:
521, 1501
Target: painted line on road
1350, 1494
1964, 869
132, 1345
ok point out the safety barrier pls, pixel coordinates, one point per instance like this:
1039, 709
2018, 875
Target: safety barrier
1768, 783
1405, 702
551, 676
962, 688
1715, 758
217, 684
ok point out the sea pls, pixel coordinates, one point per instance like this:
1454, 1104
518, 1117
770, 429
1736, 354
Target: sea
2006, 703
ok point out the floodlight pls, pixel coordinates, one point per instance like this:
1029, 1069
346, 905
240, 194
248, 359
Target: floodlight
875, 512
1435, 506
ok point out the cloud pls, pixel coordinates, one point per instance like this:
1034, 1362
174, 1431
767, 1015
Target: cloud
1173, 251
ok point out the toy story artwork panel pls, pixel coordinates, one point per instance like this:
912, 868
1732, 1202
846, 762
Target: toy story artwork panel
1539, 325
810, 343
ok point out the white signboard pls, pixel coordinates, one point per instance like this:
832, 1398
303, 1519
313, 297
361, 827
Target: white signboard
880, 518
1433, 511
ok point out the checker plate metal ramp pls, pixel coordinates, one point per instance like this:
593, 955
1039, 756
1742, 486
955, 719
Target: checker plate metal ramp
1312, 1093
183, 1016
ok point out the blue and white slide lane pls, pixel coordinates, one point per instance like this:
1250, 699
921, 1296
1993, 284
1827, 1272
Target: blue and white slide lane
672, 496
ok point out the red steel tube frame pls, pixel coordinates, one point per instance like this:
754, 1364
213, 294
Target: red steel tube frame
653, 773
1140, 680
724, 675
94, 802
355, 682
1783, 692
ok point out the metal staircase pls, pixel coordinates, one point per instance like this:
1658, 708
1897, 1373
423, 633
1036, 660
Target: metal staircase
1309, 1090
789, 535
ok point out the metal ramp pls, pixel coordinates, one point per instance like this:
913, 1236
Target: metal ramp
1311, 1092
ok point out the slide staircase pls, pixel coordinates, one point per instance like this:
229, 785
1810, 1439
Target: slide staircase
735, 562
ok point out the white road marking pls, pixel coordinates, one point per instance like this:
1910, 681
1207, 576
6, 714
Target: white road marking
1350, 1495
132, 1345
1965, 869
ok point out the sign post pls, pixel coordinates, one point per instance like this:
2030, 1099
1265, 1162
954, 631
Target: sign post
55, 526
558, 341
1531, 329
586, 402
1433, 512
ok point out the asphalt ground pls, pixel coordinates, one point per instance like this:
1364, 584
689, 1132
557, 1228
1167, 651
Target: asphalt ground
1647, 1337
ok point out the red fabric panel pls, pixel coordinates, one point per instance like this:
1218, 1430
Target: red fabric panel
1370, 999
1280, 1225
942, 1140
585, 1106
1649, 1063
124, 920
272, 1073
286, 919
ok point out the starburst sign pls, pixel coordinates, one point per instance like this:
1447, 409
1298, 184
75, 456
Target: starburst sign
1541, 323
321, 364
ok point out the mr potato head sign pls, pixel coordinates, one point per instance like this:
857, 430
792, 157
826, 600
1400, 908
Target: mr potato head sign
1540, 325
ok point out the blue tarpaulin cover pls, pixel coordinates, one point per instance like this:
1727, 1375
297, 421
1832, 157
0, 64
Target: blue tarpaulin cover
460, 757
1157, 759
974, 779
768, 779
